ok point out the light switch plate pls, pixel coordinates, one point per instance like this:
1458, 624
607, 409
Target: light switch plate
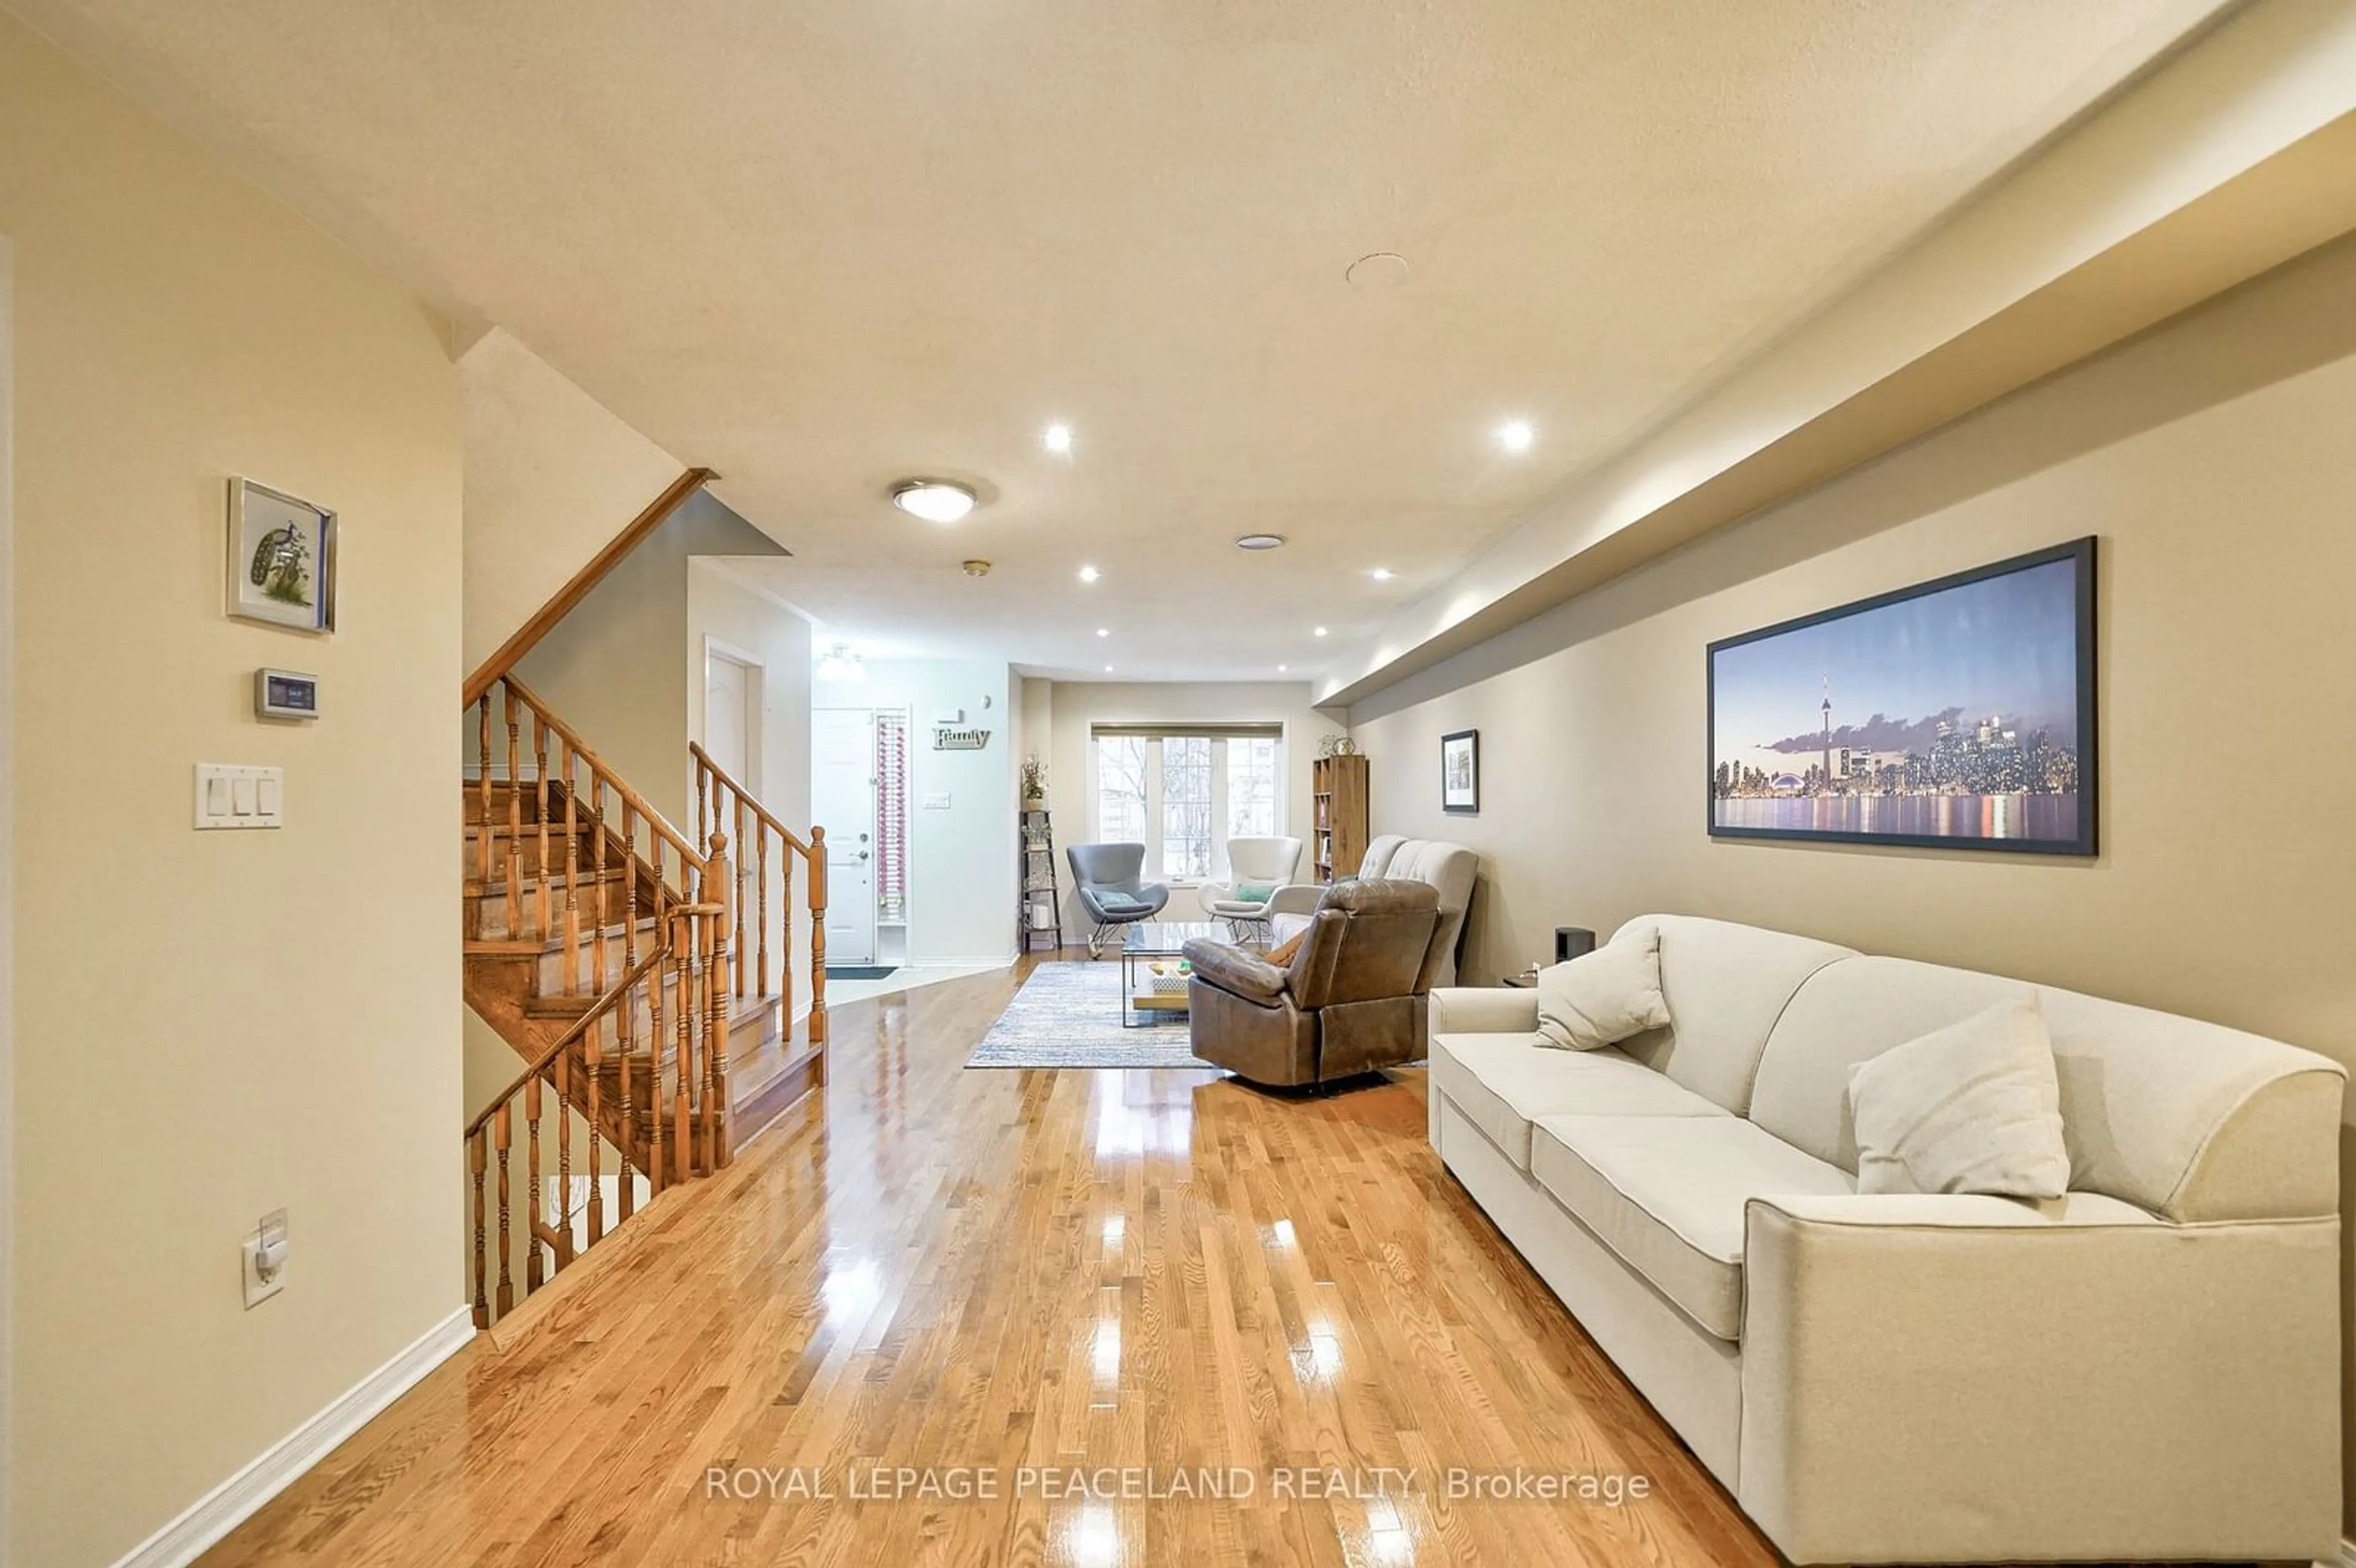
939, 800
229, 795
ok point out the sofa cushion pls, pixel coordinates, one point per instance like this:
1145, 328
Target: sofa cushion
1667, 1194
1604, 997
1973, 1107
1500, 1081
1849, 1013
1726, 985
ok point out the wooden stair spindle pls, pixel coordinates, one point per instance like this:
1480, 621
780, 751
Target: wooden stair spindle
564, 1160
715, 1034
502, 1133
683, 1069
515, 820
598, 823
818, 943
532, 1277
477, 1160
571, 959
666, 977
487, 850
539, 788
761, 916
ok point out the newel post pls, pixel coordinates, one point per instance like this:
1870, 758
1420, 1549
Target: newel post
717, 991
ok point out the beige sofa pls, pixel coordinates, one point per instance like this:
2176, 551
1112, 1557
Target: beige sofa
1451, 868
2146, 1368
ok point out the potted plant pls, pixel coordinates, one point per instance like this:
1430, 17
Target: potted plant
1034, 784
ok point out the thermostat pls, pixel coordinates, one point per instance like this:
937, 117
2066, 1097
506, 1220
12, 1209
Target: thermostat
286, 694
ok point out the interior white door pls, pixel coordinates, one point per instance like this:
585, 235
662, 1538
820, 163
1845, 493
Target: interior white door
842, 801
731, 719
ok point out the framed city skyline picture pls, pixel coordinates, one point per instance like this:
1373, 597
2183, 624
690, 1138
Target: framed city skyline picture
1957, 713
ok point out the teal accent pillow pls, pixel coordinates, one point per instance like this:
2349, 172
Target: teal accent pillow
1254, 892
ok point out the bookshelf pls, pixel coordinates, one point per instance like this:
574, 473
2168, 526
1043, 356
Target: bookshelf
1338, 836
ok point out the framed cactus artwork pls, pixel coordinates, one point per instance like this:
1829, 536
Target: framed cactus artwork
281, 559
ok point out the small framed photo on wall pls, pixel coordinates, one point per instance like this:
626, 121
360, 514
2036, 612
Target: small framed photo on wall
1460, 772
281, 559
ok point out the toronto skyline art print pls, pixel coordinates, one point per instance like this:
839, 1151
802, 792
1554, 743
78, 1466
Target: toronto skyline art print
1957, 713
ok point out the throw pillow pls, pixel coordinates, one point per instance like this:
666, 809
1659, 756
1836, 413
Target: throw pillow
1604, 997
1254, 892
1283, 952
1974, 1108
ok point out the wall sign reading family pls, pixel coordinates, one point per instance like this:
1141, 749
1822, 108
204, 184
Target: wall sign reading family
281, 559
1957, 713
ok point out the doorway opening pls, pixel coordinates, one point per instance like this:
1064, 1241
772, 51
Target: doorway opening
859, 788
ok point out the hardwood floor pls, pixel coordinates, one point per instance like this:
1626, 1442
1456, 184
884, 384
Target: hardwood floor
955, 1280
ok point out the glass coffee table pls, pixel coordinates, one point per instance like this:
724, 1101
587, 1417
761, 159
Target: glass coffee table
1152, 979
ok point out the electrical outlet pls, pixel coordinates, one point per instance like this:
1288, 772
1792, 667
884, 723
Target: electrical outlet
261, 1259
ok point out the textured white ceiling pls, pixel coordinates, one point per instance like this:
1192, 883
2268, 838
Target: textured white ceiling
820, 246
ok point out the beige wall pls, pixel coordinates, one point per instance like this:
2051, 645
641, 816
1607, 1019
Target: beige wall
617, 669
215, 1025
960, 856
2213, 459
552, 476
1075, 705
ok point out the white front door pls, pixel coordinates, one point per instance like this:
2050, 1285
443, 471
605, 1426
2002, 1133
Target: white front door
731, 715
842, 801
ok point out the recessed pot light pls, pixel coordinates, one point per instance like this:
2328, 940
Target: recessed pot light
1260, 541
1381, 575
1087, 574
1104, 631
1058, 438
1282, 667
1515, 435
935, 500
1319, 632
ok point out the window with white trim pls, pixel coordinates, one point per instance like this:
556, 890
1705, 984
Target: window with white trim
1183, 791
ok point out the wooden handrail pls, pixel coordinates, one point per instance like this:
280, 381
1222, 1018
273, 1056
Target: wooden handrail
567, 598
655, 822
721, 802
569, 1038
751, 800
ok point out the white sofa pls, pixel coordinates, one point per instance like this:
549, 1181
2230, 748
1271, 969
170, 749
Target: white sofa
2146, 1368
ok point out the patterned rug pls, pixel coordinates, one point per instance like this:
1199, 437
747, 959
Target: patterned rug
1068, 1015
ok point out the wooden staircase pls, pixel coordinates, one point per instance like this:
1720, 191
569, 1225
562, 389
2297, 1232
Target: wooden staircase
640, 975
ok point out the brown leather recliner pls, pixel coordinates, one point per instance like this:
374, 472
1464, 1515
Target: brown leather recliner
1354, 999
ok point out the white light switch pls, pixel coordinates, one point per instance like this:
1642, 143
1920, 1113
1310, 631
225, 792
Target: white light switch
230, 795
938, 801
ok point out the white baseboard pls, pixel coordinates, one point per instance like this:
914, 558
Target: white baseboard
2346, 1558
229, 1505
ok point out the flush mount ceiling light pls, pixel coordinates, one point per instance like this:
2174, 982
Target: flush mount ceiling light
935, 500
1515, 435
1058, 438
1260, 541
839, 663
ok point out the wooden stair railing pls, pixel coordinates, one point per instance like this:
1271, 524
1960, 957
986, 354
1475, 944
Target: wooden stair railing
724, 806
683, 1101
603, 944
567, 598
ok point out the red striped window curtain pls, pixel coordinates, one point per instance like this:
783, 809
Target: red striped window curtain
891, 814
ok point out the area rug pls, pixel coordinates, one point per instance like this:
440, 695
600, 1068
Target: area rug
1068, 1015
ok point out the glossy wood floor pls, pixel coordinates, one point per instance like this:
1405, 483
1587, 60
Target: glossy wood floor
948, 1276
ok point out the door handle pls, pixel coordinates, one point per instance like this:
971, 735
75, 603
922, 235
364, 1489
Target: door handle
863, 854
